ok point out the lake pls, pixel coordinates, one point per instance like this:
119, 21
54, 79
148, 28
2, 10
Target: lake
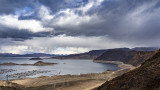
73, 67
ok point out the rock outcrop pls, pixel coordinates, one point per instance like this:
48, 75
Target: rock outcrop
40, 63
37, 58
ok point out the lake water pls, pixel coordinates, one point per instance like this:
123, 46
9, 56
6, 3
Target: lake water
74, 67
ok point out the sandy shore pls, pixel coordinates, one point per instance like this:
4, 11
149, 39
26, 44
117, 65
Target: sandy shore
69, 82
120, 64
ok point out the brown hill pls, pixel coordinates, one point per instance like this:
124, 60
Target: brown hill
145, 77
127, 56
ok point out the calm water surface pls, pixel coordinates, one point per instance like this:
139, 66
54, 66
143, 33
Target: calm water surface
74, 67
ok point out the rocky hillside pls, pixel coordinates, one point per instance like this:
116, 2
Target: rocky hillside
127, 56
145, 77
88, 55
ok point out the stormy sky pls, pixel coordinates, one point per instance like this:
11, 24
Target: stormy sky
76, 26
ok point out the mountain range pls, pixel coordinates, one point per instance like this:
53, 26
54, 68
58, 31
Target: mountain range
87, 55
27, 55
134, 56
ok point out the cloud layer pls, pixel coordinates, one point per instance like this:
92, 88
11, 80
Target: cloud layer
60, 44
73, 26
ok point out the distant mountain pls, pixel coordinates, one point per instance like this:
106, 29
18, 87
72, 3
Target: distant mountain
101, 54
27, 55
88, 55
7, 55
145, 77
38, 55
93, 54
127, 56
145, 48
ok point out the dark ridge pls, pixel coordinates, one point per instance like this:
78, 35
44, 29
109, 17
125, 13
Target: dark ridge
145, 77
127, 56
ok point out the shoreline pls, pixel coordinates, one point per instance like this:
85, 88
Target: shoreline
119, 63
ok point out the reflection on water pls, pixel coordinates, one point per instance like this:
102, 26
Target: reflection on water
63, 67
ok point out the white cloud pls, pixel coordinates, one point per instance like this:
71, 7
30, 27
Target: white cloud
12, 21
69, 17
91, 4
44, 13
69, 50
63, 18
13, 49
72, 19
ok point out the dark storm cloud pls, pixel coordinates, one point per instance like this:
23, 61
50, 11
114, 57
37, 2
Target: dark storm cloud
66, 25
56, 5
123, 16
121, 20
20, 35
9, 6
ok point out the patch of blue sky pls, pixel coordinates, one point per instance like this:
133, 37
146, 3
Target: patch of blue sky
24, 11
